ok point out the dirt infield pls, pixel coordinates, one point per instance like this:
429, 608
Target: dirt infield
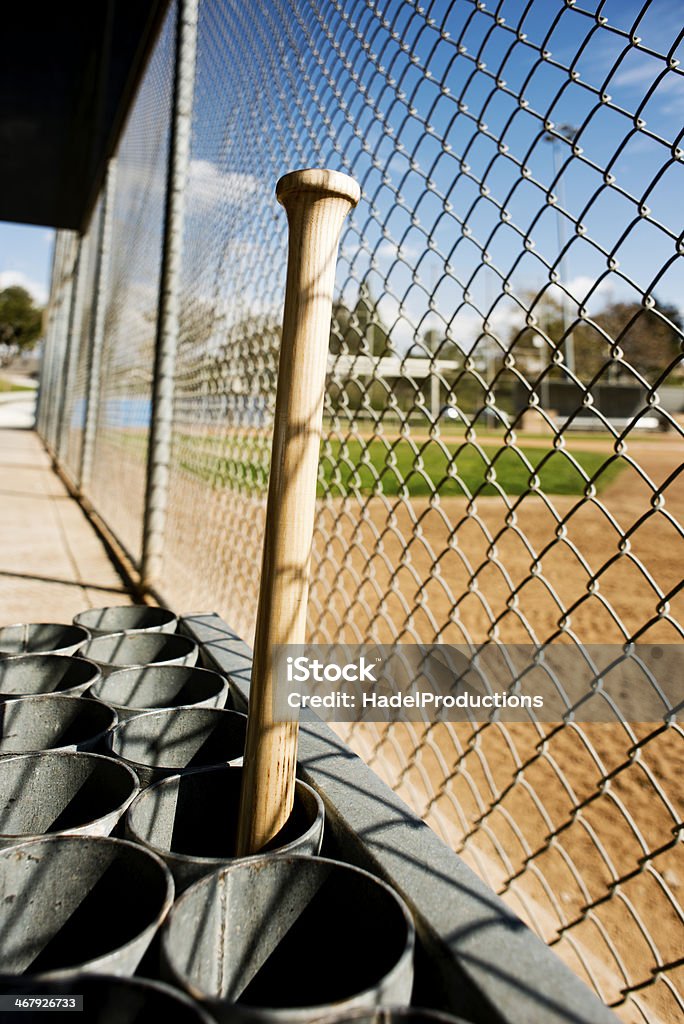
450, 568
603, 883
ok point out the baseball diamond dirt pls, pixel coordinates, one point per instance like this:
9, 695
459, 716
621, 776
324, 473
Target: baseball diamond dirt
566, 823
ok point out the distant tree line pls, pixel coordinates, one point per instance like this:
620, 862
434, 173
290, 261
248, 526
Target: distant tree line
649, 340
214, 344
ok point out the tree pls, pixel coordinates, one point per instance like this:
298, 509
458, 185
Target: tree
359, 330
649, 338
21, 322
532, 344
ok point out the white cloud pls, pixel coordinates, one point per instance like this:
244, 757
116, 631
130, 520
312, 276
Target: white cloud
578, 288
644, 73
10, 278
636, 75
210, 186
392, 251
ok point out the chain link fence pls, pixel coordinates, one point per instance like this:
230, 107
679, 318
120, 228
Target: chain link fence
503, 424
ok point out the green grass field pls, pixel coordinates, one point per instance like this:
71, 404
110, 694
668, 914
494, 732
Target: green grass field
8, 385
459, 470
395, 468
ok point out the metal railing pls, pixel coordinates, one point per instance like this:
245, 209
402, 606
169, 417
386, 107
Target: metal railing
503, 423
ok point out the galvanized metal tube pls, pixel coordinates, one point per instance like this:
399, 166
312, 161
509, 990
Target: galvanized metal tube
112, 651
62, 792
126, 618
53, 721
157, 744
112, 897
42, 638
300, 918
177, 819
24, 675
159, 452
133, 691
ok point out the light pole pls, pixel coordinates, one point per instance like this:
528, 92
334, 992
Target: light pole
568, 133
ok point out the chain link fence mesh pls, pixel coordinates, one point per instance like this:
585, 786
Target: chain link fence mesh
56, 335
131, 297
503, 425
76, 363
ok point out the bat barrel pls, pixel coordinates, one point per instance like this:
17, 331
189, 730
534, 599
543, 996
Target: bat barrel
316, 202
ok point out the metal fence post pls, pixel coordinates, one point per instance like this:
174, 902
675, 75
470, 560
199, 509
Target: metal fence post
71, 345
159, 452
92, 407
59, 344
43, 399
48, 319
50, 384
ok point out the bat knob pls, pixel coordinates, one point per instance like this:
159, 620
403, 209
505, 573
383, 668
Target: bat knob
320, 183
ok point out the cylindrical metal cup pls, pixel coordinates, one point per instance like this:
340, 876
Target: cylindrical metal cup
81, 903
52, 721
132, 691
42, 638
128, 650
287, 940
126, 618
25, 675
191, 820
162, 743
61, 792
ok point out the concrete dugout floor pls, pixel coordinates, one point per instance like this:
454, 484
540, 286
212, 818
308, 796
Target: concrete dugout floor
52, 562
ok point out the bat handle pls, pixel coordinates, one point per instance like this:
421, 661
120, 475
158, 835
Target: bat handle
316, 203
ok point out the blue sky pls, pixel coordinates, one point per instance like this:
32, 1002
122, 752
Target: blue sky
376, 103
350, 94
25, 258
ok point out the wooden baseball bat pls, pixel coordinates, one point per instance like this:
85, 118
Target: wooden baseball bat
316, 203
